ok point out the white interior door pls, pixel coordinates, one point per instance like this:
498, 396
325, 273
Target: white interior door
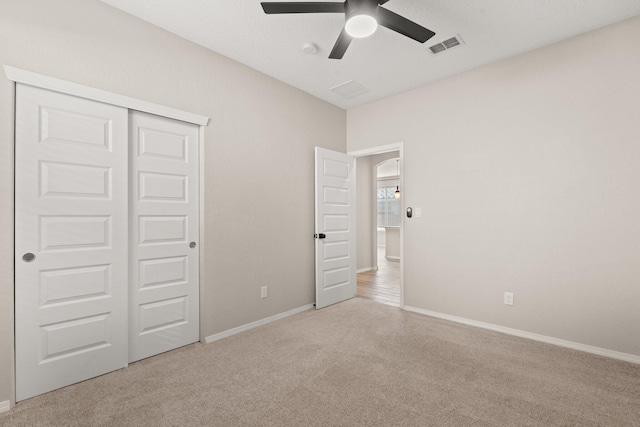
164, 228
335, 227
70, 240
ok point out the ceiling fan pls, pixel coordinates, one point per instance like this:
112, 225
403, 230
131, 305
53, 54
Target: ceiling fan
361, 20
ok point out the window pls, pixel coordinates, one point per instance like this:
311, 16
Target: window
388, 206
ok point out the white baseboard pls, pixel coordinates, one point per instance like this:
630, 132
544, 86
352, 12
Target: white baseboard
393, 258
228, 333
536, 337
364, 270
5, 406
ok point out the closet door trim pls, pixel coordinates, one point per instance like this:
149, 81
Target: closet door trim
57, 85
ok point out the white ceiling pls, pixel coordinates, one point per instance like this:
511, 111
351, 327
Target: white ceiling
385, 63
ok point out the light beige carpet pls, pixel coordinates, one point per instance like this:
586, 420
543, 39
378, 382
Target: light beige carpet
357, 363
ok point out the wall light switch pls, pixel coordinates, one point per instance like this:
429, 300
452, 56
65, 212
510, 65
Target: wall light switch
263, 292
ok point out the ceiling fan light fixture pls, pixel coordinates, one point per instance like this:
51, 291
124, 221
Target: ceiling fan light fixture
362, 18
360, 26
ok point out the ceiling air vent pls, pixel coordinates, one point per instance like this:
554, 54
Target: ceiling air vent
437, 48
445, 45
349, 89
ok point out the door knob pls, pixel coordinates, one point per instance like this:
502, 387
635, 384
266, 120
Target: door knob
320, 236
192, 245
28, 257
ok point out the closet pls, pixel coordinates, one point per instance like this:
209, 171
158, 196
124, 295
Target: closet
106, 237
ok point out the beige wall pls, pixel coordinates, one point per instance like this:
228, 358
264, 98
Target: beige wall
364, 213
527, 172
258, 150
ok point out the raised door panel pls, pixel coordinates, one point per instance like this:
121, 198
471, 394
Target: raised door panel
162, 187
159, 229
69, 285
164, 300
71, 180
71, 215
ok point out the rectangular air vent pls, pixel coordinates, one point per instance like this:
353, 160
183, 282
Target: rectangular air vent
437, 48
451, 42
349, 89
445, 45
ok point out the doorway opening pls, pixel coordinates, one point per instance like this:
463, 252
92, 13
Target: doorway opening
380, 221
383, 283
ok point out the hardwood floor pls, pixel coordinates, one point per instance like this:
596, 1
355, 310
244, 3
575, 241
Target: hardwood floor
382, 285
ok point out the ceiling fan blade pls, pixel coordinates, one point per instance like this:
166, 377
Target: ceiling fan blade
341, 45
402, 25
302, 7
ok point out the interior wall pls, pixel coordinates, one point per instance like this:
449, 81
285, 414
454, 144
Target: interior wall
259, 196
527, 174
365, 216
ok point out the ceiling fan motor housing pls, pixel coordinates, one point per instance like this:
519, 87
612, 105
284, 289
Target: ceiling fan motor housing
360, 7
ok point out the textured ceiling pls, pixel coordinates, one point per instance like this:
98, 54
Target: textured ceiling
385, 63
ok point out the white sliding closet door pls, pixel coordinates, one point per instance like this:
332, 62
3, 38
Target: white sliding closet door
106, 238
164, 231
70, 240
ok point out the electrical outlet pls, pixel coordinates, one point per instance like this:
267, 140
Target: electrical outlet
508, 298
263, 292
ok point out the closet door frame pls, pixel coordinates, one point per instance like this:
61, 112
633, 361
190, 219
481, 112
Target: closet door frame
30, 78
